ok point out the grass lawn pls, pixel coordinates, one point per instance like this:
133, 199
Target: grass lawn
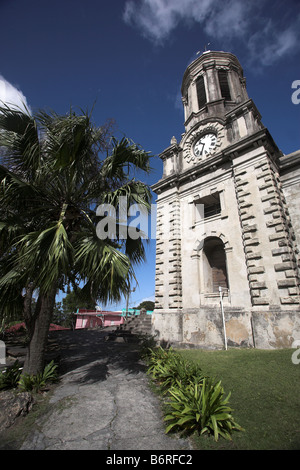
265, 393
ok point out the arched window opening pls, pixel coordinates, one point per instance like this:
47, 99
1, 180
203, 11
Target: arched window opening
224, 85
215, 270
201, 93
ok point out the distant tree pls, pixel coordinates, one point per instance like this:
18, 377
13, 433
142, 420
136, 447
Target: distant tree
70, 303
57, 316
55, 171
74, 300
147, 304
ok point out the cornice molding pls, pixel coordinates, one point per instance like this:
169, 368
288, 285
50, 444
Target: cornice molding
261, 138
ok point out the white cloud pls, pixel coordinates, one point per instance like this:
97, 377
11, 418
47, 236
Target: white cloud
249, 22
157, 18
270, 43
229, 19
11, 96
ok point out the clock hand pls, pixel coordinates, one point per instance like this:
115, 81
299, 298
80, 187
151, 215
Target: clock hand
201, 151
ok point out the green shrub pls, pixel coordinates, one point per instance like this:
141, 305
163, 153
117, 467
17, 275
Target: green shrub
195, 402
200, 407
157, 359
35, 383
10, 376
147, 343
171, 369
157, 355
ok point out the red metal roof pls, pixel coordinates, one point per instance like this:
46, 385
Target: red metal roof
18, 326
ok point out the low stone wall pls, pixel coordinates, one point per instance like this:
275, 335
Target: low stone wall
203, 328
276, 330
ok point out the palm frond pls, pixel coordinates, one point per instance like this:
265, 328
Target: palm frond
125, 155
47, 254
105, 268
14, 188
19, 137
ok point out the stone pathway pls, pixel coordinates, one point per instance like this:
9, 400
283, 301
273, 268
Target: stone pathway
103, 401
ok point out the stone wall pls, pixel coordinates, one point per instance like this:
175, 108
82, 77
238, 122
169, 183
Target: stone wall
203, 328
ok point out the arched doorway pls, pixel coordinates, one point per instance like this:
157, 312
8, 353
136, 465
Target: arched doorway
214, 265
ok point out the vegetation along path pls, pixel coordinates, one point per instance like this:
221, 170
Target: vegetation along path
103, 400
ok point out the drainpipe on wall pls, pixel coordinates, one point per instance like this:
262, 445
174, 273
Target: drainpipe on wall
223, 317
252, 329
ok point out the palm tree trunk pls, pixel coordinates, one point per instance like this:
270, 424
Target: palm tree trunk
38, 330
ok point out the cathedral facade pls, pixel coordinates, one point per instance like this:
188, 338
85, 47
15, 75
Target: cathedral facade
228, 221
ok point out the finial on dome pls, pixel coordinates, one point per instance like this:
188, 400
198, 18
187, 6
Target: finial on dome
205, 49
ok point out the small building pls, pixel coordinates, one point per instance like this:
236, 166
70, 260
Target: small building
111, 318
97, 319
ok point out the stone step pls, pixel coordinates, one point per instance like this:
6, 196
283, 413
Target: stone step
137, 324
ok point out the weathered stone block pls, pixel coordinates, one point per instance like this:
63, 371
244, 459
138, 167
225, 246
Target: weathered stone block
244, 193
253, 241
254, 256
256, 270
280, 251
244, 205
290, 300
250, 228
289, 273
260, 301
277, 236
269, 197
247, 216
286, 283
284, 266
240, 183
293, 291
265, 186
263, 174
273, 223
271, 209
258, 285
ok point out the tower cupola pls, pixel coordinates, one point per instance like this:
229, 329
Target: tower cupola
212, 85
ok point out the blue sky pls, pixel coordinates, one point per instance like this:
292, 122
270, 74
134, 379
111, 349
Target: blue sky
129, 57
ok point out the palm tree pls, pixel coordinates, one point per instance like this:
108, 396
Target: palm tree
53, 177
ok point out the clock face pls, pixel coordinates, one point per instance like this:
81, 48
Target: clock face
205, 144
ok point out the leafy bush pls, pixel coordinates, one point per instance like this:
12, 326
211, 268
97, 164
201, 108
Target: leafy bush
156, 359
35, 383
195, 402
147, 343
201, 407
10, 376
171, 369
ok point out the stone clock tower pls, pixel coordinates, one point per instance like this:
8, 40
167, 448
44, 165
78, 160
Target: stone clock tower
228, 222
